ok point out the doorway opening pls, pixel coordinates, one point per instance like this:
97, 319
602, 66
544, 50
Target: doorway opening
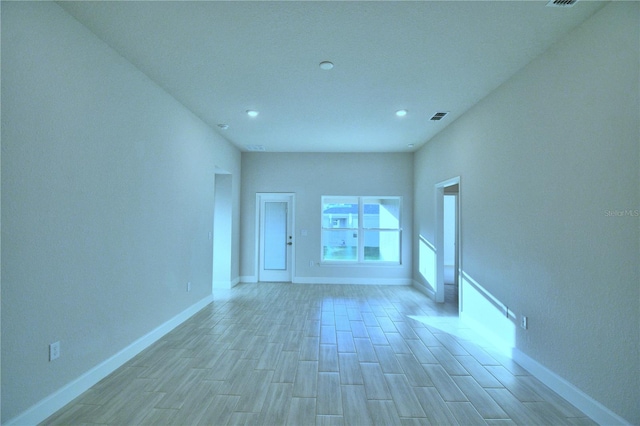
448, 253
222, 213
450, 240
275, 235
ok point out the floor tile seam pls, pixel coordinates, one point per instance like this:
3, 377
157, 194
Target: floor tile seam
479, 403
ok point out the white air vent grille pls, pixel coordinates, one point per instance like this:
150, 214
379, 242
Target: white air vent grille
438, 116
254, 148
561, 3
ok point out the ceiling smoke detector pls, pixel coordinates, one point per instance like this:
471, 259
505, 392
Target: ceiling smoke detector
561, 3
438, 116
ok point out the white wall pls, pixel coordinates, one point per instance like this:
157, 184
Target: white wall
107, 195
543, 162
310, 176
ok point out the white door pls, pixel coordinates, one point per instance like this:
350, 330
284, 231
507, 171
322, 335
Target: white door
276, 237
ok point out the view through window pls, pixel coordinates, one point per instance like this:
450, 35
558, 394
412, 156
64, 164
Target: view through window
361, 229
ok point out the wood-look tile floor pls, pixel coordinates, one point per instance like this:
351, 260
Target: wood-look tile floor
275, 354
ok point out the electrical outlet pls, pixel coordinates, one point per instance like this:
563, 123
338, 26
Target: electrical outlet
524, 322
189, 286
54, 351
311, 263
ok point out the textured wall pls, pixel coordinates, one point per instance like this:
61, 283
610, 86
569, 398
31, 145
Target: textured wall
545, 162
310, 176
107, 195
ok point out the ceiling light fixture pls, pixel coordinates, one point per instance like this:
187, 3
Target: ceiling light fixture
401, 112
326, 65
252, 113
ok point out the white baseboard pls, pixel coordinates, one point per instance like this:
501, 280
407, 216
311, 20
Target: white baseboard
52, 403
342, 280
221, 285
424, 289
356, 281
225, 285
583, 402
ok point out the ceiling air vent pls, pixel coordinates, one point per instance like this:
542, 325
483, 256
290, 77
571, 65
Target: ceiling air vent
255, 148
561, 3
438, 116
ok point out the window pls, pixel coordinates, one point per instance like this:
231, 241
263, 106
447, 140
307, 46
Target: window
361, 229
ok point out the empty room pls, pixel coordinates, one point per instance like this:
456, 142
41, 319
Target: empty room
320, 212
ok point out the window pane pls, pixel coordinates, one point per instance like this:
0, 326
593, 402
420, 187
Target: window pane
340, 245
382, 213
382, 246
340, 212
275, 235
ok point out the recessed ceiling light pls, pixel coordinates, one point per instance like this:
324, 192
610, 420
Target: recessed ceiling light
401, 112
326, 65
223, 126
252, 113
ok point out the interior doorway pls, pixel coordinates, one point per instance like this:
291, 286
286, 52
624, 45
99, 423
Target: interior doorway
450, 240
448, 252
275, 227
222, 229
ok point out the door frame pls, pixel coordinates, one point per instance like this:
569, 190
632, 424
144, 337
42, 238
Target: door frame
439, 190
288, 197
222, 231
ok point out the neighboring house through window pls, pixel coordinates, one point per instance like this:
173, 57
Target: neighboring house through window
361, 229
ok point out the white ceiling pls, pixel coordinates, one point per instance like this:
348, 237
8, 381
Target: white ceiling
222, 58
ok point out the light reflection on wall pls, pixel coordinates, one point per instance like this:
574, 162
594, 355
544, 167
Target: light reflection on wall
427, 265
487, 315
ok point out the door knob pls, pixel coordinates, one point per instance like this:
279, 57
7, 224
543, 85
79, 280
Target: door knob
289, 243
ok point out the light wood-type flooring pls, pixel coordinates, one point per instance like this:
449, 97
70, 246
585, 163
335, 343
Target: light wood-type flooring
276, 354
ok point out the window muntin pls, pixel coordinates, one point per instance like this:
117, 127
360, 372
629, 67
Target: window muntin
361, 229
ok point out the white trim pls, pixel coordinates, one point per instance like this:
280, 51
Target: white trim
225, 285
360, 230
349, 280
356, 264
288, 274
428, 291
235, 282
439, 204
221, 285
52, 403
583, 402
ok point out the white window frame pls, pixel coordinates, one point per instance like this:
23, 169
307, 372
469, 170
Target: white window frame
361, 230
